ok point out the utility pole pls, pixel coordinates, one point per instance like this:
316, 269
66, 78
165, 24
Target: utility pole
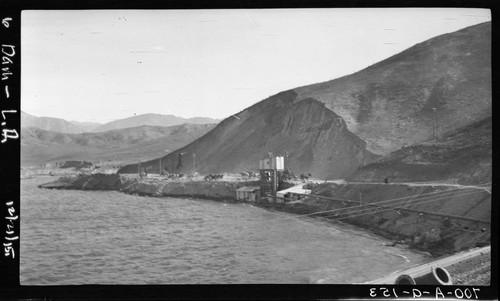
361, 203
160, 166
194, 163
286, 160
434, 123
273, 178
275, 182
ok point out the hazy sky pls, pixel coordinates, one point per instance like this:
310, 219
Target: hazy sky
102, 65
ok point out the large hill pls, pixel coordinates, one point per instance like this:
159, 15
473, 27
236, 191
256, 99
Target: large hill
390, 104
118, 146
153, 120
314, 137
330, 129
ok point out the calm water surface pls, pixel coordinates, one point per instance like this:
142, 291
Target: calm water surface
108, 237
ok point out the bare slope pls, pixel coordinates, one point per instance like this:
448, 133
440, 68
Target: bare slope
389, 104
153, 120
133, 144
315, 138
463, 156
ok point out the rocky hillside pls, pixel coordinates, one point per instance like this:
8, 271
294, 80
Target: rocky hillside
314, 137
132, 144
332, 128
389, 104
153, 120
463, 157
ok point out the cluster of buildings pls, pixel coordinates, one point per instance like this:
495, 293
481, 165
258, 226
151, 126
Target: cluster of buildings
269, 183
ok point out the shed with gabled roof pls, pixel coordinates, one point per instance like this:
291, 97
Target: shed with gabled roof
248, 193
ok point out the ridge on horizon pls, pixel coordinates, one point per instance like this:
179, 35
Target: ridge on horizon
62, 125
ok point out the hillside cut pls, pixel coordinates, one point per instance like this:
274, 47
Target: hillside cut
313, 138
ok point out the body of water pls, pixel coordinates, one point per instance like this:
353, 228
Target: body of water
108, 237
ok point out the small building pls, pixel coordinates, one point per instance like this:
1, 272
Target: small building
293, 192
248, 193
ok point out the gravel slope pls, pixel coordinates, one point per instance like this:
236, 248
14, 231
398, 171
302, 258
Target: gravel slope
473, 271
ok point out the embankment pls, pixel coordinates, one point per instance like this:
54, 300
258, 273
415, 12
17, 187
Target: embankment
421, 216
157, 187
440, 219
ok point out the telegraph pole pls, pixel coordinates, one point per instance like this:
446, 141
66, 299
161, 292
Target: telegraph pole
286, 160
434, 123
361, 202
194, 163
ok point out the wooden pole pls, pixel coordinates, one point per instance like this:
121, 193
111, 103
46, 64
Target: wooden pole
275, 182
194, 164
434, 123
361, 202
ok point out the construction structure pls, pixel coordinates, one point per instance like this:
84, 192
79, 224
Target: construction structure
268, 169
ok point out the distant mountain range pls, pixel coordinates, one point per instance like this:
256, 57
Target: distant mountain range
117, 146
153, 120
86, 127
333, 129
49, 124
75, 127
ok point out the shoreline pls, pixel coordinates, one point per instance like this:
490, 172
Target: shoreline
438, 245
401, 227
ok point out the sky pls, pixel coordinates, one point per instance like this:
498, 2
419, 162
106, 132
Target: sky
104, 65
